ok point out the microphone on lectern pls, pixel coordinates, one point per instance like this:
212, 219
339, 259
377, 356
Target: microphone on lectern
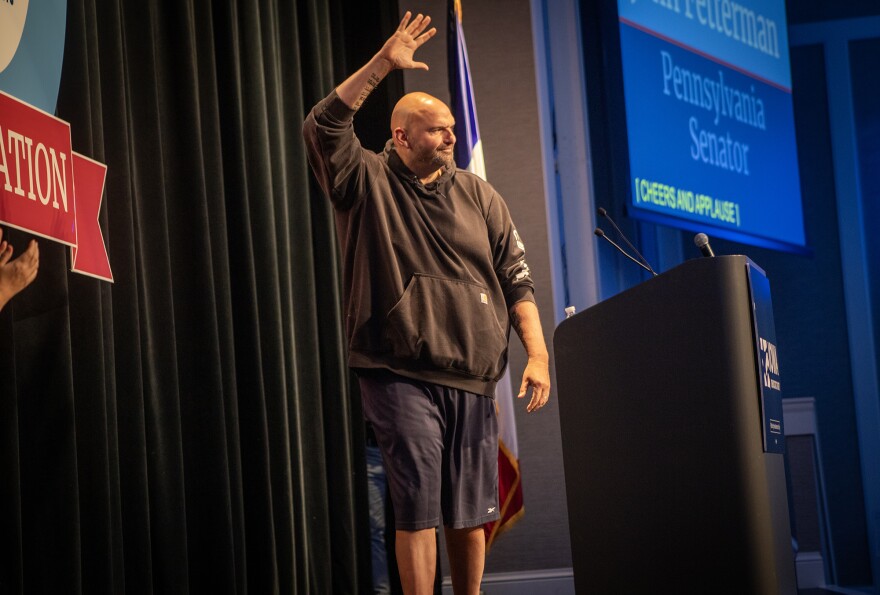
598, 231
642, 262
702, 242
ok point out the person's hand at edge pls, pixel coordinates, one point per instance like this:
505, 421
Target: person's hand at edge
16, 274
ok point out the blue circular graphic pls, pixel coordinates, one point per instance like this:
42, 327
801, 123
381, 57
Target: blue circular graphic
34, 74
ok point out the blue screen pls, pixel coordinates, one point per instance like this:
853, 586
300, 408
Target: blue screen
710, 122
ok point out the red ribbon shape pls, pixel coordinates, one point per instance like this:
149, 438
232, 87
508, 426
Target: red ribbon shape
47, 189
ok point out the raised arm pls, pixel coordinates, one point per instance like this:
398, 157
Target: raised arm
396, 53
527, 323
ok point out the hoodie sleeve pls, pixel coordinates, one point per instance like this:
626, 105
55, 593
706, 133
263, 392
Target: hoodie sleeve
508, 254
341, 165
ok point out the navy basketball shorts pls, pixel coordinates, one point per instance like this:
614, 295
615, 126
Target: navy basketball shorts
440, 450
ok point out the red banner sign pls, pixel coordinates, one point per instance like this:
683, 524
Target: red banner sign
47, 189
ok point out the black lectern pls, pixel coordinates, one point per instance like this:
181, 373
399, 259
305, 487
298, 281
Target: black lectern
670, 411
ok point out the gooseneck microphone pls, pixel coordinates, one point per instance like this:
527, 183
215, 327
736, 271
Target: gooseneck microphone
644, 262
702, 242
598, 231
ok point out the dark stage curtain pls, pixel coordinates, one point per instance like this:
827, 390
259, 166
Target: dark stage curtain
188, 429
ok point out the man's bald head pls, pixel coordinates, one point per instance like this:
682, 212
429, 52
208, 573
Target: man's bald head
417, 104
422, 130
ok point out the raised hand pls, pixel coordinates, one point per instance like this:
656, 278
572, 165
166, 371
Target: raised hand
16, 274
396, 53
409, 37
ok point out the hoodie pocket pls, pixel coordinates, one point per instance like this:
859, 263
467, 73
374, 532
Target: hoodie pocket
448, 323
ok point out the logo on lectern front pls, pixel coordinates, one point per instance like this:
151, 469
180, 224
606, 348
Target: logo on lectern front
769, 365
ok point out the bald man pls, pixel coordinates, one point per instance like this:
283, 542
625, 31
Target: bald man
434, 274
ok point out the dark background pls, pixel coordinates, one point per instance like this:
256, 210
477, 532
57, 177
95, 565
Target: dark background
191, 426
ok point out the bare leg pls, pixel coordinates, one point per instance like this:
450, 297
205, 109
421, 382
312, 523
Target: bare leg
417, 560
467, 555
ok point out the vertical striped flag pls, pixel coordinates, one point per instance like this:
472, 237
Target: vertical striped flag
469, 156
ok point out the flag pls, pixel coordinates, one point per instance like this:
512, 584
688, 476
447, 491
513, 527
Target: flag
469, 156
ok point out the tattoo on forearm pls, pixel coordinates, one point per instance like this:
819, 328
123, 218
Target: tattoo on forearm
516, 322
371, 85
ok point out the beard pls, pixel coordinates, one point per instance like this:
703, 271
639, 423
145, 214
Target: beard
436, 158
444, 158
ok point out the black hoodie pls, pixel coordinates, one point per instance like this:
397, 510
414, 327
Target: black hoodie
429, 271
